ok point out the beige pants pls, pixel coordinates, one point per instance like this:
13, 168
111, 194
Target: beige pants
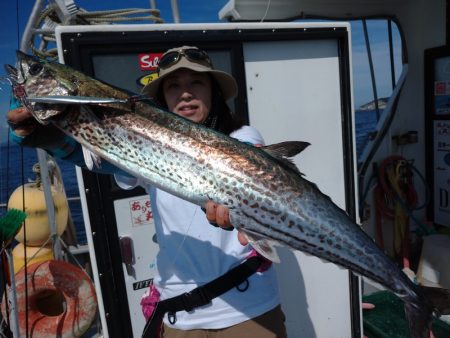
268, 325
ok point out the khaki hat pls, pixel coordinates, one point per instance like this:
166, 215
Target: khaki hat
226, 82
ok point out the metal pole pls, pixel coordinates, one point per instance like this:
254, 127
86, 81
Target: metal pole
391, 53
41, 154
175, 11
28, 31
372, 73
45, 179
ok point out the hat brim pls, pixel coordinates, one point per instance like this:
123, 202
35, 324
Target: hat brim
226, 82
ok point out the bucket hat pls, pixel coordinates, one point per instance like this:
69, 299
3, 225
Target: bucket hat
194, 59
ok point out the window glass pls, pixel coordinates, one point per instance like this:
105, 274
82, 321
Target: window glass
384, 72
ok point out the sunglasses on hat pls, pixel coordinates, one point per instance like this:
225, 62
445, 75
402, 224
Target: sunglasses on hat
192, 54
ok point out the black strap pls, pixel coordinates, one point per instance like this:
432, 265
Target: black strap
202, 295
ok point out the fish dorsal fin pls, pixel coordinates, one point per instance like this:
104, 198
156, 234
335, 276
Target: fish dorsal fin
286, 149
283, 151
265, 247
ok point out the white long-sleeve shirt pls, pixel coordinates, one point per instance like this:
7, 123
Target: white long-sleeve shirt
193, 252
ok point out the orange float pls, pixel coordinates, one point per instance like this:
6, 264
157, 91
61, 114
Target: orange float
61, 300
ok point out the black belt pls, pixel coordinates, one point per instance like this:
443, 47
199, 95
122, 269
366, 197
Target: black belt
202, 295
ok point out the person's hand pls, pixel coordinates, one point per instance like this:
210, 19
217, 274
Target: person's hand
220, 215
21, 120
367, 306
34, 134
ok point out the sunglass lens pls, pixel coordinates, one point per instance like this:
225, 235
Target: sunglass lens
168, 59
196, 55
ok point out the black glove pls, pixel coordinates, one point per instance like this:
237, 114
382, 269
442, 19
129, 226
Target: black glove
46, 137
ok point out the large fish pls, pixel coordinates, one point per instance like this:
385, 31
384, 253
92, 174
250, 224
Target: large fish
267, 196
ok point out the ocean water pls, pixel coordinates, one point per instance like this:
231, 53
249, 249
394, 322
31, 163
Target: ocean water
13, 158
365, 123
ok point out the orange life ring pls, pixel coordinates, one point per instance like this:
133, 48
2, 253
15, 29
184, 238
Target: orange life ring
61, 300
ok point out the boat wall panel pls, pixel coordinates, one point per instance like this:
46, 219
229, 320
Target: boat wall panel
294, 93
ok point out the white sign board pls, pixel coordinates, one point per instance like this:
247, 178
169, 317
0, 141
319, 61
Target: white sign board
135, 222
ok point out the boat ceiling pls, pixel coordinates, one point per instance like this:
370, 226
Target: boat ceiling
269, 10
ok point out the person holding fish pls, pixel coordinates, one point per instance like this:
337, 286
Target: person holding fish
211, 283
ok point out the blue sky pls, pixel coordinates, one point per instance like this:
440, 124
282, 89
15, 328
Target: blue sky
14, 14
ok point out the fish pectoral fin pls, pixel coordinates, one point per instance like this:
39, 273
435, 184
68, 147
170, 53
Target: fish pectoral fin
263, 246
92, 160
283, 151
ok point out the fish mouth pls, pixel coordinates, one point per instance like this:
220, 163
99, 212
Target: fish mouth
12, 75
11, 70
38, 110
17, 80
14, 79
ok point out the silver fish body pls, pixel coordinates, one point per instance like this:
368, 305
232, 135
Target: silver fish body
267, 197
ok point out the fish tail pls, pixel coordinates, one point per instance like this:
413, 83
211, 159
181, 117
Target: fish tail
419, 315
439, 299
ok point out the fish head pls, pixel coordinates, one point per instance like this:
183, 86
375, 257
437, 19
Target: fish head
33, 77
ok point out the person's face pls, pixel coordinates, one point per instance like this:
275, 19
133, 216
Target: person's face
188, 93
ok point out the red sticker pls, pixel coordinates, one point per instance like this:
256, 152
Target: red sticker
440, 88
149, 61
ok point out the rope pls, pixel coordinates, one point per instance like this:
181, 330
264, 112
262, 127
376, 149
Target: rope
154, 14
49, 19
395, 199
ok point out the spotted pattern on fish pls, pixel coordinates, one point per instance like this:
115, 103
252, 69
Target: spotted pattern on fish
265, 195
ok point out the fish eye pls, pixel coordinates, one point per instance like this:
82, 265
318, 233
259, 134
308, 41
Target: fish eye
35, 68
